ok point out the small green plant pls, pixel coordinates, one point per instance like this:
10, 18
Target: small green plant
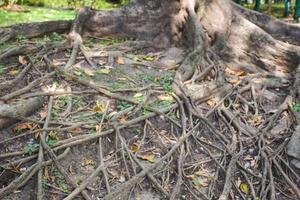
139, 97
78, 102
54, 113
56, 37
166, 82
51, 142
46, 38
20, 38
123, 105
158, 104
116, 86
30, 148
4, 46
64, 100
59, 179
109, 42
295, 107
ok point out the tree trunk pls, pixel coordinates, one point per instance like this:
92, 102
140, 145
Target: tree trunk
240, 38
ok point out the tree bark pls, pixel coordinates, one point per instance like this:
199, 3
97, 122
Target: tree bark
241, 38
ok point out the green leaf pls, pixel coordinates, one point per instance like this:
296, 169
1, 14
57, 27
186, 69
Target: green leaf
149, 58
295, 107
78, 73
51, 142
1, 70
30, 148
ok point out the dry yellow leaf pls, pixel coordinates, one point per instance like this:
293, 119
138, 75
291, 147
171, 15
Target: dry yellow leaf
14, 168
134, 148
237, 72
120, 61
233, 80
43, 114
53, 135
103, 71
46, 174
148, 157
88, 72
211, 103
149, 58
244, 188
13, 72
98, 108
122, 119
256, 120
165, 97
88, 162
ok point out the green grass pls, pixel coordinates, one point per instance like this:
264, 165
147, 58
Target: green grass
35, 15
47, 13
100, 4
276, 11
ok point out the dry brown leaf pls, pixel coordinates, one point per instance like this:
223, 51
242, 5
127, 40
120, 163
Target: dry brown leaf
233, 80
46, 174
53, 135
122, 119
211, 103
237, 72
76, 130
256, 120
122, 79
71, 170
122, 179
22, 60
13, 72
88, 162
148, 157
120, 61
165, 98
15, 169
24, 126
57, 63
291, 191
43, 114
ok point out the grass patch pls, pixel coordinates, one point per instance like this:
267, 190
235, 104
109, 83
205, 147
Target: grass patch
100, 4
35, 15
276, 11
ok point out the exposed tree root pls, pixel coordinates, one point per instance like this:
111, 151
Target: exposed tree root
9, 113
229, 142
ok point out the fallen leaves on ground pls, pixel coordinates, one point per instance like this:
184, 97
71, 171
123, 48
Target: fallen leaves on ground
104, 71
23, 126
148, 157
134, 147
13, 72
22, 60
